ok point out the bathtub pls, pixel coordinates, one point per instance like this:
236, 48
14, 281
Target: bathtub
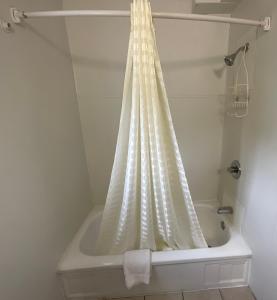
225, 263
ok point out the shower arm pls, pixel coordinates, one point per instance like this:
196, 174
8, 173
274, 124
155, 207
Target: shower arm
244, 48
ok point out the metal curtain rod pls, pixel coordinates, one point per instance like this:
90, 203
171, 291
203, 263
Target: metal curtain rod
18, 15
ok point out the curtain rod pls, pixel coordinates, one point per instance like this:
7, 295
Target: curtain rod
18, 15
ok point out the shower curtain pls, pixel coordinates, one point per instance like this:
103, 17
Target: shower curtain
148, 204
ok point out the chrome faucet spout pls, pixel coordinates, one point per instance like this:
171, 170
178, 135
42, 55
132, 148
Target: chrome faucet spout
225, 210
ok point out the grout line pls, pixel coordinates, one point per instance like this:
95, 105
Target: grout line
221, 295
253, 295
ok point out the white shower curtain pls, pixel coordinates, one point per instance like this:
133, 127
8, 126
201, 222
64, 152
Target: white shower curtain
148, 205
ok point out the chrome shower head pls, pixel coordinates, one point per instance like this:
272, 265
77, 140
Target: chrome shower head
230, 59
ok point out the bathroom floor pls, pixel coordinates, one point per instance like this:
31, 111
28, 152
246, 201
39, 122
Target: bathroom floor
240, 293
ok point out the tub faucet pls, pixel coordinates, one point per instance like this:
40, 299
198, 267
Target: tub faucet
225, 210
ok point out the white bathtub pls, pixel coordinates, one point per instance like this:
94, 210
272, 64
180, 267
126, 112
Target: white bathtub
225, 264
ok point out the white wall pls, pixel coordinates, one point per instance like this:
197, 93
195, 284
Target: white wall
254, 141
192, 58
44, 189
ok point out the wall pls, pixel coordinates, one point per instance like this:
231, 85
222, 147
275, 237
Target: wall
192, 58
44, 192
253, 140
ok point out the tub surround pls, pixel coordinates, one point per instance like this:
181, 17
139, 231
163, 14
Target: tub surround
194, 77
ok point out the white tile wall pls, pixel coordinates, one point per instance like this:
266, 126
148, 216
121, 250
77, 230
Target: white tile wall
192, 60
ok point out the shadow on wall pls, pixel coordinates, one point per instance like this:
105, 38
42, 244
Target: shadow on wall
169, 65
120, 65
64, 52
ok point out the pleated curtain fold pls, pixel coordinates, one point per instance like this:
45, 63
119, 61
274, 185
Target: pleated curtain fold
148, 204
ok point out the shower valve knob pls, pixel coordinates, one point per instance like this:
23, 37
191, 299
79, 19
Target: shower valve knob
235, 169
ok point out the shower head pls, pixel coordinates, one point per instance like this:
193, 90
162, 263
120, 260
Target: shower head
230, 59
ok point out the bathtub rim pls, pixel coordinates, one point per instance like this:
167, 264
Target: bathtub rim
73, 260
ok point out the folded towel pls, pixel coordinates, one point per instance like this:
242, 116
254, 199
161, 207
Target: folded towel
137, 267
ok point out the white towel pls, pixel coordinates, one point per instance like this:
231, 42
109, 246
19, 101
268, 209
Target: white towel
137, 267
